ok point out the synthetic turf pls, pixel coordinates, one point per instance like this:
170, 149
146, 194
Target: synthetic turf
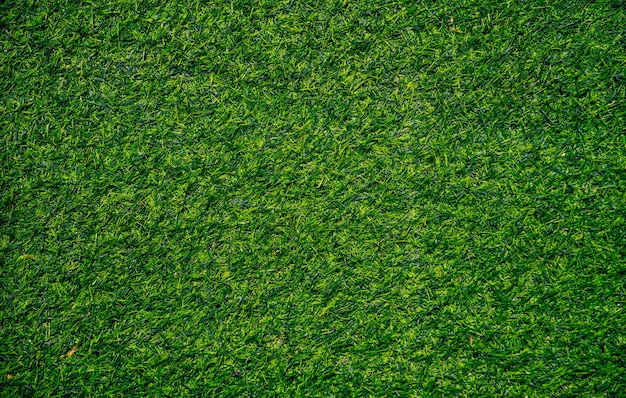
313, 198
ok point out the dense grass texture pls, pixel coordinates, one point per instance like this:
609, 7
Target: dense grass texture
313, 198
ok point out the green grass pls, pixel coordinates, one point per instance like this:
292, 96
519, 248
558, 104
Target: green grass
313, 198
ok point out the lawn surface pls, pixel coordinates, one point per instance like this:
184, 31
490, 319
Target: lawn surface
313, 198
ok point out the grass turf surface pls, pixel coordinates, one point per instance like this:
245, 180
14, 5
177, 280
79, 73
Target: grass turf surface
262, 198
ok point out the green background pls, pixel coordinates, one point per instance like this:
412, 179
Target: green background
313, 198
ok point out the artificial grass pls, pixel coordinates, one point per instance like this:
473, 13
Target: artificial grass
313, 198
